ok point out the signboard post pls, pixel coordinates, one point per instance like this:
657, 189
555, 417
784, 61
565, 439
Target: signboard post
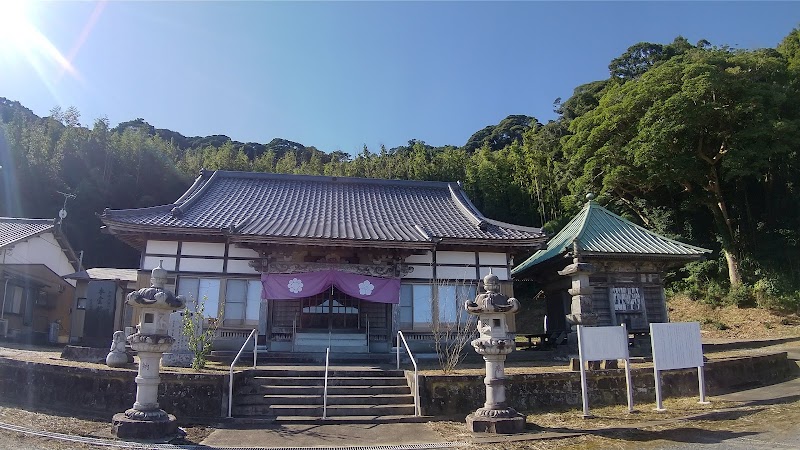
601, 343
676, 346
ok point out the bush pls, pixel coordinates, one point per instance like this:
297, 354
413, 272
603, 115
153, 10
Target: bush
714, 323
740, 296
775, 293
200, 332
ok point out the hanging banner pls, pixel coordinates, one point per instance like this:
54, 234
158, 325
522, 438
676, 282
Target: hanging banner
282, 286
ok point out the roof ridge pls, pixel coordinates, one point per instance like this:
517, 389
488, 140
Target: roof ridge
179, 209
465, 205
28, 220
330, 178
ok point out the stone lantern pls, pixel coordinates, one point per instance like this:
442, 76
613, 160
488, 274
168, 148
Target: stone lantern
146, 420
581, 311
493, 309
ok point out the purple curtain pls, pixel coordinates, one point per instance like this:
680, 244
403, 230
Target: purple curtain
279, 286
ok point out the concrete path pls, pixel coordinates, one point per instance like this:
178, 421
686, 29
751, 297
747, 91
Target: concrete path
767, 394
339, 435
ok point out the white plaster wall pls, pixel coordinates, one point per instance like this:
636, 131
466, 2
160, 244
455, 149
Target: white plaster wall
427, 258
455, 273
201, 265
501, 272
420, 272
151, 262
238, 266
162, 247
42, 249
202, 249
241, 252
455, 258
492, 259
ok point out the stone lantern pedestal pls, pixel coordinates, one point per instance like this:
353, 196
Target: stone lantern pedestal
146, 420
492, 309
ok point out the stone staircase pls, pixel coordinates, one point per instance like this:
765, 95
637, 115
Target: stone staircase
338, 342
355, 395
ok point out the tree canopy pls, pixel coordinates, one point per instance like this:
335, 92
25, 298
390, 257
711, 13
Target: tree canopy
696, 142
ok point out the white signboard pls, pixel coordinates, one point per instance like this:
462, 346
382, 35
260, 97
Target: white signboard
626, 298
676, 346
599, 343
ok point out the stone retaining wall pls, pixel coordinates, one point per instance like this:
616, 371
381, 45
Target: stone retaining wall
462, 394
104, 392
202, 397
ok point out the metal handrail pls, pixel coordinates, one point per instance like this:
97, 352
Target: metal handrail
416, 371
253, 334
325, 391
294, 331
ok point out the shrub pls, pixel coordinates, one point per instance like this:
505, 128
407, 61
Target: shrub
200, 332
741, 296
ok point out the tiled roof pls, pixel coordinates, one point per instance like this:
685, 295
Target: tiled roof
316, 207
103, 273
597, 230
13, 229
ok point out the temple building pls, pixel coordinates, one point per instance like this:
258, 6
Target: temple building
312, 261
602, 269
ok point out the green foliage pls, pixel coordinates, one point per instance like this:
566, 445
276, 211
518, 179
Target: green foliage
199, 331
741, 296
698, 143
721, 326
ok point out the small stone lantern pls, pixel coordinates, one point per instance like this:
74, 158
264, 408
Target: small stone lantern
493, 309
146, 420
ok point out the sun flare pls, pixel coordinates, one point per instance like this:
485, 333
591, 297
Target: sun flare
20, 39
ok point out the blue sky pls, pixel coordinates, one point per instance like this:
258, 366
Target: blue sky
340, 75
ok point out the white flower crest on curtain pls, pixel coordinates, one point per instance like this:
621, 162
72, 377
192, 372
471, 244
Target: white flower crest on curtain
295, 285
365, 287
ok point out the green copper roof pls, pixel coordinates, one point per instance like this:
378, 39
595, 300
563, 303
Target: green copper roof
597, 230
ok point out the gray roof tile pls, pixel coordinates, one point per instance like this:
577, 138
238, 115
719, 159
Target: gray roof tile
13, 229
299, 206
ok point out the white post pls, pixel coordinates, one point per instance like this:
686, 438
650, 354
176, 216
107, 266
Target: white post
628, 382
702, 381
657, 377
584, 386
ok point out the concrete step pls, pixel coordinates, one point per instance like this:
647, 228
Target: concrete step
318, 358
317, 390
332, 372
312, 420
333, 337
311, 347
332, 381
316, 410
291, 399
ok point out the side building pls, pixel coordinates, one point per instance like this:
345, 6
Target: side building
602, 269
36, 300
309, 260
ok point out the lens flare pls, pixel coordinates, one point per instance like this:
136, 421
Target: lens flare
19, 38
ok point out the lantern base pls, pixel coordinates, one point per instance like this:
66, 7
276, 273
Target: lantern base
125, 427
499, 425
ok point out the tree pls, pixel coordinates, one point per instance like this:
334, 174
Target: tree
790, 49
705, 125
